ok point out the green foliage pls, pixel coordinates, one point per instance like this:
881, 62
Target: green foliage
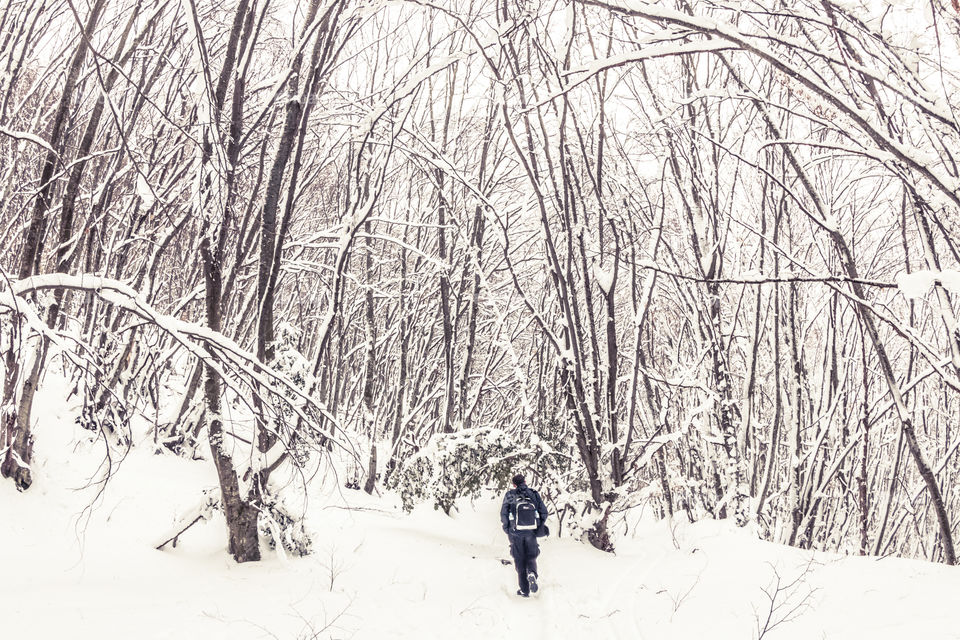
461, 464
455, 465
277, 524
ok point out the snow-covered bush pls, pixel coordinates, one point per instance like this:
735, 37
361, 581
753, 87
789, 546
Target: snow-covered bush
291, 364
455, 465
460, 464
277, 522
550, 456
289, 361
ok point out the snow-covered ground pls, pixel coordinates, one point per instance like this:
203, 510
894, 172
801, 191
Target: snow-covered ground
71, 572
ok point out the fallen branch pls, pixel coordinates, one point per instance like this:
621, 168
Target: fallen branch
203, 511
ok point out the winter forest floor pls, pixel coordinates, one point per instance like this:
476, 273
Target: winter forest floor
67, 571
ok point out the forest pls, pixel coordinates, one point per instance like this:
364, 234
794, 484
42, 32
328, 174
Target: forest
701, 256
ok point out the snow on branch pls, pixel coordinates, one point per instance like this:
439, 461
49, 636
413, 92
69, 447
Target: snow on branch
587, 72
210, 347
411, 83
761, 279
27, 137
757, 45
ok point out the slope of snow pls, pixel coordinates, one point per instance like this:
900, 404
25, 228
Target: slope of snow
67, 572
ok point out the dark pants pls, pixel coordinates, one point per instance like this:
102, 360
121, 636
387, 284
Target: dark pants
524, 549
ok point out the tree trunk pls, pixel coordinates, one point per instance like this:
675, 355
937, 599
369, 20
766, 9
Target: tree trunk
370, 366
241, 514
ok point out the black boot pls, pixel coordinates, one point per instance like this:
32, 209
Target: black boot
532, 579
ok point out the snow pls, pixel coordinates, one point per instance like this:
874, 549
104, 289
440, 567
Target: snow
377, 572
604, 278
145, 192
918, 283
950, 279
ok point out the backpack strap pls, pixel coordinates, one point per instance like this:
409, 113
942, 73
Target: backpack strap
514, 496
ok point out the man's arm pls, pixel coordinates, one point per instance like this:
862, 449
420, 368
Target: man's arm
541, 507
505, 511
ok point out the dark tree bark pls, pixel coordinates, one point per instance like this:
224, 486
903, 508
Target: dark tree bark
402, 364
369, 373
240, 510
241, 513
473, 263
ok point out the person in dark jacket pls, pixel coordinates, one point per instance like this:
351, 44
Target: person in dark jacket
523, 544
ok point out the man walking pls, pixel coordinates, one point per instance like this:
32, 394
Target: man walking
521, 514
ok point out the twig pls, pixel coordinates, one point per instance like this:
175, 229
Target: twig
178, 534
